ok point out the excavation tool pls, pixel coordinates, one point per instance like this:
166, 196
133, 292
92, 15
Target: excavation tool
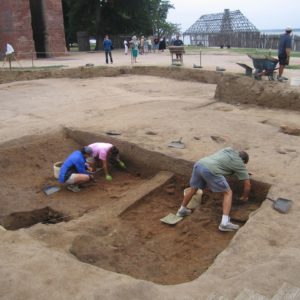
200, 66
282, 205
171, 219
49, 190
195, 202
177, 144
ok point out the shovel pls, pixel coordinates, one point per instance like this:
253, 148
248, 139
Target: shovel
282, 205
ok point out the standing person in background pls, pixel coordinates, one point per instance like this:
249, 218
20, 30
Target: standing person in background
155, 43
142, 43
178, 42
107, 46
125, 47
162, 44
146, 47
10, 54
149, 44
134, 45
284, 52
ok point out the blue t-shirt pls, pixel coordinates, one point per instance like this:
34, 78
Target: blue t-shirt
178, 43
76, 161
107, 43
285, 42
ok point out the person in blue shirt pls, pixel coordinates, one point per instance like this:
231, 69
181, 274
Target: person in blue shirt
284, 52
178, 42
74, 171
107, 46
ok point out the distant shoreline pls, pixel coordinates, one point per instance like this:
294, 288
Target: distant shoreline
295, 31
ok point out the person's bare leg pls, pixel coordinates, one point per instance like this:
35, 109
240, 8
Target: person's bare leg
81, 178
4, 61
226, 225
280, 70
227, 201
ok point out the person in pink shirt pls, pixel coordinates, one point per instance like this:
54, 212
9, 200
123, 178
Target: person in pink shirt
107, 153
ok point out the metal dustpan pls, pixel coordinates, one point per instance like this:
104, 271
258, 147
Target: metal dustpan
49, 190
177, 144
282, 205
171, 219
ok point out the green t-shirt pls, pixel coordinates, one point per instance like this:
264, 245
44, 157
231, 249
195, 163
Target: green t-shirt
226, 162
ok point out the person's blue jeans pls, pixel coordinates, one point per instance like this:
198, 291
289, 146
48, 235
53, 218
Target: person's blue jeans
108, 53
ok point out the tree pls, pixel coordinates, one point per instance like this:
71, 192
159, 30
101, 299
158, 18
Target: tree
100, 17
158, 13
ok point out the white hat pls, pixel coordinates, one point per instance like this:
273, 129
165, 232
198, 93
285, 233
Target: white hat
288, 29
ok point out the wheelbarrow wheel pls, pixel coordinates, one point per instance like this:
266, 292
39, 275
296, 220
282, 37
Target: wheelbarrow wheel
257, 74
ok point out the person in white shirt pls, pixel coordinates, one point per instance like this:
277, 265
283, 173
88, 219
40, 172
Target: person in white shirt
125, 47
10, 54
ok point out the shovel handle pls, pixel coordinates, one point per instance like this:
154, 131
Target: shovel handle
271, 199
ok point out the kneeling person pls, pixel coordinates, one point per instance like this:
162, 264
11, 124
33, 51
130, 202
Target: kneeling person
107, 153
73, 171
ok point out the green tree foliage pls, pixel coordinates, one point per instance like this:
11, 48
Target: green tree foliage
98, 17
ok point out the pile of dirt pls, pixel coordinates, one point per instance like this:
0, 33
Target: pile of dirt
246, 90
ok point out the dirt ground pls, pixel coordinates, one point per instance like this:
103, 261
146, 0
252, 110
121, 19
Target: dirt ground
149, 111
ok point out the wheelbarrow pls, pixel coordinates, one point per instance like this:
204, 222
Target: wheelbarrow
264, 66
282, 205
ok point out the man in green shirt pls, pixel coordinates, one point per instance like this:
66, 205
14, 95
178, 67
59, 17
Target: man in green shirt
209, 172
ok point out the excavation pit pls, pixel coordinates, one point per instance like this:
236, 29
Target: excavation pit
117, 224
27, 219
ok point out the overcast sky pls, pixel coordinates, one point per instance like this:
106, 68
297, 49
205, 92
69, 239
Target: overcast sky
264, 14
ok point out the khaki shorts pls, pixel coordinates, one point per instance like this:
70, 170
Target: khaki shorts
71, 179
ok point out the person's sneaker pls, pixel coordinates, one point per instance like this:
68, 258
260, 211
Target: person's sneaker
183, 212
73, 188
228, 227
279, 78
282, 78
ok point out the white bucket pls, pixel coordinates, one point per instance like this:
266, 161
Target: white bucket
56, 168
196, 199
295, 81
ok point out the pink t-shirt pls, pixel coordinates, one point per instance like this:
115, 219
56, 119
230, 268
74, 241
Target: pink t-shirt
100, 150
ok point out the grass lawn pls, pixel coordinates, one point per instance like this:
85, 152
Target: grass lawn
273, 52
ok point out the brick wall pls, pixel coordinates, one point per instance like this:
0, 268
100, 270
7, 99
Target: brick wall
15, 27
55, 39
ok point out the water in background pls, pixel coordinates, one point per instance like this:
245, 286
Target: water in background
295, 31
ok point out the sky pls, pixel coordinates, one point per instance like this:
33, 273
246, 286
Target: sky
264, 14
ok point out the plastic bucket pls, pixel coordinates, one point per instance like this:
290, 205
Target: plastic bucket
196, 199
56, 168
295, 81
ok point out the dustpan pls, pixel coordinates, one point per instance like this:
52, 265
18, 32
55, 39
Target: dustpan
281, 204
49, 190
171, 219
177, 144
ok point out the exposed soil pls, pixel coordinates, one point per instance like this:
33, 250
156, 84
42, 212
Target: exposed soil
150, 112
136, 243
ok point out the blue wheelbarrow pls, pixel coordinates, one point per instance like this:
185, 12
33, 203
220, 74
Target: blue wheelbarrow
264, 66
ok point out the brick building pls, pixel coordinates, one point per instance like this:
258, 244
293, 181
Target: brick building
32, 26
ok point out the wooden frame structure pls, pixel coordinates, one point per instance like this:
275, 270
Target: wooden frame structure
227, 29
